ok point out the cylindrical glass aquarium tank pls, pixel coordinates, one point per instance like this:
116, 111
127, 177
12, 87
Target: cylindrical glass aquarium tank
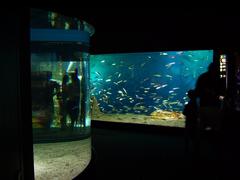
60, 94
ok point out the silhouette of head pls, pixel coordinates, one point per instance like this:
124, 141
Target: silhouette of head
212, 68
191, 94
65, 79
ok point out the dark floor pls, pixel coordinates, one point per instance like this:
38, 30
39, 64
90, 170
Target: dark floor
125, 153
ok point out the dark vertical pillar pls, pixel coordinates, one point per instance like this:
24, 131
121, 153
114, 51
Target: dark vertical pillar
25, 94
15, 120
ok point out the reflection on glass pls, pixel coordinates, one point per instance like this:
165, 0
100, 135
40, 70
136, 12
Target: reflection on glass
60, 96
59, 92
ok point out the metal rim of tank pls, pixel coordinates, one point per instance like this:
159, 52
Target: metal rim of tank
42, 19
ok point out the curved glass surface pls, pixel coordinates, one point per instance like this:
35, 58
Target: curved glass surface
53, 20
60, 96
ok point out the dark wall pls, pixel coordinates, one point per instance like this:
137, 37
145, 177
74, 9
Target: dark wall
15, 124
153, 29
9, 99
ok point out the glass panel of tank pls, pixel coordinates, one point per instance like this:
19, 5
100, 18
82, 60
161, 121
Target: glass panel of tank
60, 95
145, 88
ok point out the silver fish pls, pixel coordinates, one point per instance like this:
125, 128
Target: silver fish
170, 64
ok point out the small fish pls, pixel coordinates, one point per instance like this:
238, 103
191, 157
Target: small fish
108, 80
165, 101
170, 64
145, 79
169, 76
175, 102
98, 73
109, 93
120, 92
163, 54
157, 101
119, 81
93, 89
179, 52
125, 90
175, 88
130, 67
138, 97
110, 106
149, 57
143, 64
164, 85
170, 92
157, 75
114, 64
119, 75
103, 61
105, 96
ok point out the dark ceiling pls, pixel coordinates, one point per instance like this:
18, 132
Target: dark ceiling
154, 29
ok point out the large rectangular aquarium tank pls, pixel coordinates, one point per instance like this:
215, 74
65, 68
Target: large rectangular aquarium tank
60, 95
145, 88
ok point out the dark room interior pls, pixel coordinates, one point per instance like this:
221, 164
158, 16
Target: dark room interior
125, 150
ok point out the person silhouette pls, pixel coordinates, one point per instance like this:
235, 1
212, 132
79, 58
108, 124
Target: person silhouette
51, 89
191, 113
74, 98
207, 87
208, 91
63, 101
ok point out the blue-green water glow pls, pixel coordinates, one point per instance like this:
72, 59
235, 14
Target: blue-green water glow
144, 82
